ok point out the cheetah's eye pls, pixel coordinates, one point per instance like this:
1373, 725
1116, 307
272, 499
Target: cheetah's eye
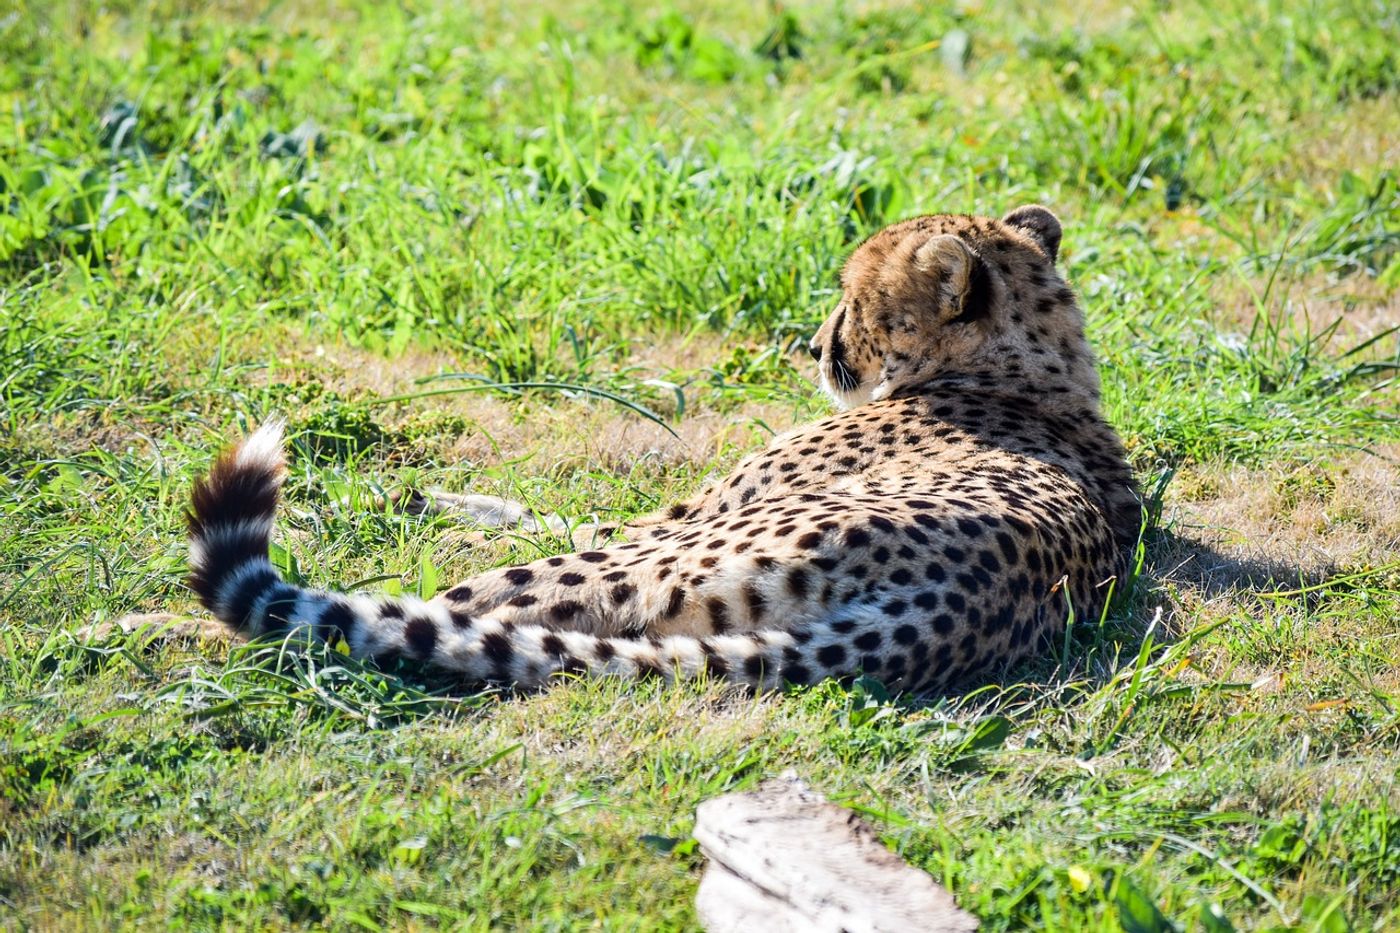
815, 349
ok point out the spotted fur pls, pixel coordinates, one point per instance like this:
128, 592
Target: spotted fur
944, 523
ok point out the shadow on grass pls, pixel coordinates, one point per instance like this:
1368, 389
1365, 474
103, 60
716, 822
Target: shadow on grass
1148, 633
1141, 631
1177, 561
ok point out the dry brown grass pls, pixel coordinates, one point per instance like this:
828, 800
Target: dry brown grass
1236, 535
562, 434
1316, 516
1360, 307
1371, 138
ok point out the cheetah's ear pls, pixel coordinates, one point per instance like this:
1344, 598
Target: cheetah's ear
1040, 225
959, 274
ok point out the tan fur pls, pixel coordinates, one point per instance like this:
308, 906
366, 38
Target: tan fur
969, 499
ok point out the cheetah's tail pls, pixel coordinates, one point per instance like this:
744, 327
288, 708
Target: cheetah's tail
230, 527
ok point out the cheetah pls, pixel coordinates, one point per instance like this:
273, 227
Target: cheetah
965, 499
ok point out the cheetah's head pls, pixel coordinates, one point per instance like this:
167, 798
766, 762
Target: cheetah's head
952, 294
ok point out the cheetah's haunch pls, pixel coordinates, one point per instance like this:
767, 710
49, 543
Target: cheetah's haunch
943, 523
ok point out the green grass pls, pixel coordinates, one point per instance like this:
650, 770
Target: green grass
371, 217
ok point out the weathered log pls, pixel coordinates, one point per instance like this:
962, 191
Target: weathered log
782, 858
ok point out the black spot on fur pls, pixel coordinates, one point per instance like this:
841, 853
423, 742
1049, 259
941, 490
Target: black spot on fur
520, 575
565, 610
1008, 547
755, 601
277, 609
969, 527
421, 635
240, 602
753, 667
648, 667
337, 622
719, 614
797, 582
497, 647
797, 674
1000, 620
713, 661
867, 641
568, 664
